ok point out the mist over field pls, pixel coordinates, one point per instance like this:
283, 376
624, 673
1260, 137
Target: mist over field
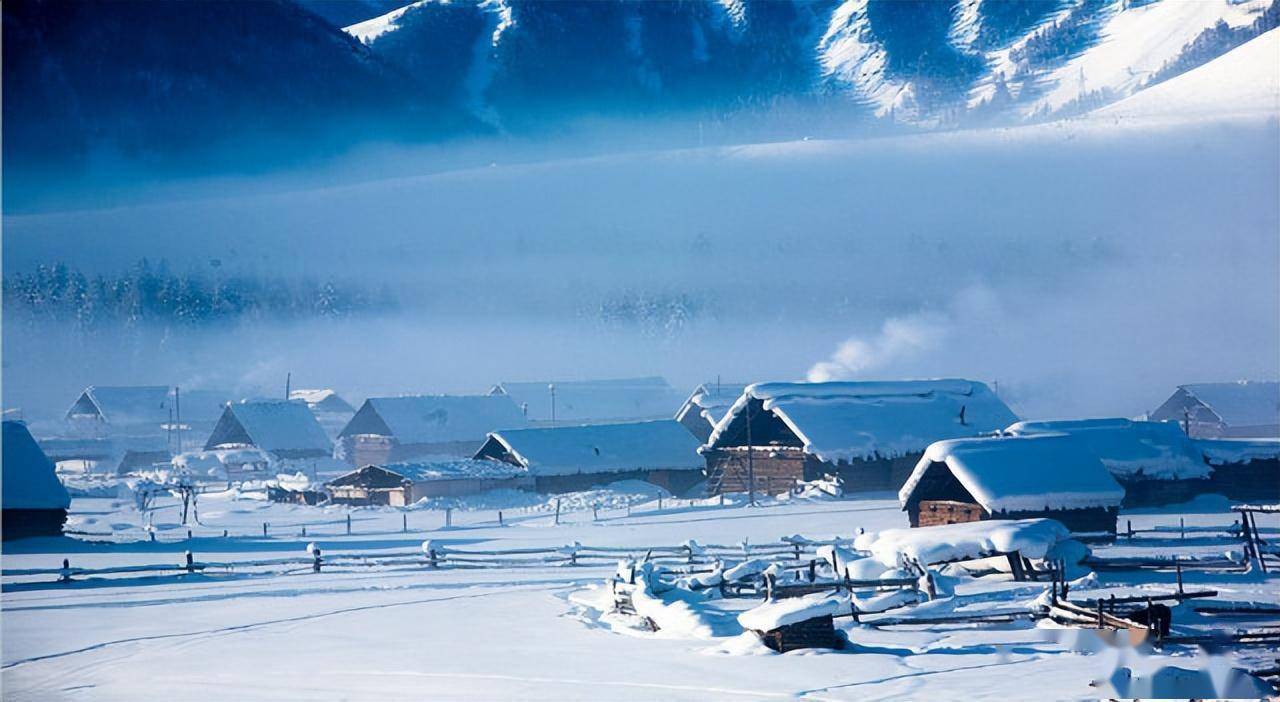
1086, 267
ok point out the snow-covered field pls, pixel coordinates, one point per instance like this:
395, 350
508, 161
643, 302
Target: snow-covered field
404, 631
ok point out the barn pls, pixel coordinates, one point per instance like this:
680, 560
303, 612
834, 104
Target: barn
1012, 477
870, 434
400, 484
1244, 409
399, 429
34, 502
1155, 462
1243, 469
285, 430
564, 459
705, 406
592, 401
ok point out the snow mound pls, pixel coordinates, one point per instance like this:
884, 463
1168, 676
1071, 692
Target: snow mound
1033, 538
772, 615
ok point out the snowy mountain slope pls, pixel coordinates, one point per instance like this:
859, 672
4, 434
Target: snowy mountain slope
1244, 82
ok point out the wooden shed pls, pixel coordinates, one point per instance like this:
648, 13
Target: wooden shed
796, 623
1012, 477
397, 429
1244, 409
400, 484
34, 502
869, 434
564, 459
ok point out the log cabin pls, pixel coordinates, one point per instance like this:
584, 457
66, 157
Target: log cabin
401, 484
1012, 477
398, 429
565, 459
283, 429
34, 501
869, 434
1244, 409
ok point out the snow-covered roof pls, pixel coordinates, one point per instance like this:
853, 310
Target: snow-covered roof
124, 404
1221, 451
1033, 538
711, 401
1128, 448
271, 425
428, 419
1022, 473
792, 610
860, 420
1241, 404
602, 448
29, 478
456, 469
322, 400
594, 400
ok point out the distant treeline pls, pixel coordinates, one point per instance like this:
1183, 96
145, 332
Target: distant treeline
151, 293
1216, 41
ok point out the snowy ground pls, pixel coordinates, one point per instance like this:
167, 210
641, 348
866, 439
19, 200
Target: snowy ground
405, 632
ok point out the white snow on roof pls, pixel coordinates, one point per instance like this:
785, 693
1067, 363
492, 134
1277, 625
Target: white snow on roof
1241, 404
1022, 473
712, 400
861, 420
142, 404
371, 29
603, 448
462, 468
1220, 451
1128, 448
1033, 538
322, 400
792, 610
595, 400
29, 480
278, 425
427, 419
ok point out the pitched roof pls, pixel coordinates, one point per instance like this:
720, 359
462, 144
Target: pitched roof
29, 478
271, 425
861, 420
124, 404
456, 469
602, 448
322, 400
1127, 448
1022, 473
711, 401
1241, 404
428, 419
594, 400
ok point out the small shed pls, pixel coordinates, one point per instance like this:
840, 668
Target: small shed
869, 434
796, 623
1012, 477
397, 429
1243, 409
286, 430
34, 502
706, 405
564, 459
592, 401
400, 484
1243, 469
1154, 462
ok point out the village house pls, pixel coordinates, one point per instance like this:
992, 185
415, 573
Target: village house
1154, 462
146, 410
592, 401
330, 409
1243, 469
564, 459
284, 430
1012, 477
1244, 409
706, 405
869, 434
34, 502
400, 484
398, 429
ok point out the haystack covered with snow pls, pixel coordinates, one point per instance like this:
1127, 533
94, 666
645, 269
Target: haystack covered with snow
1050, 475
561, 458
395, 429
581, 401
869, 433
1248, 409
34, 502
286, 430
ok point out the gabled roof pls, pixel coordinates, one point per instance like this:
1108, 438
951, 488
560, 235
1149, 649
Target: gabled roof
594, 400
28, 475
711, 401
1127, 448
124, 404
1240, 404
862, 420
1022, 473
599, 448
429, 419
322, 400
271, 425
456, 469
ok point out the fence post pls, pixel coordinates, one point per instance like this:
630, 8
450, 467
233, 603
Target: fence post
796, 546
1129, 525
448, 516
315, 563
499, 517
431, 556
264, 528
595, 512
304, 529
659, 502
188, 534
152, 534
557, 510
224, 533
1178, 568
190, 562
65, 575
628, 506
1182, 527
722, 499
813, 570
404, 523
348, 525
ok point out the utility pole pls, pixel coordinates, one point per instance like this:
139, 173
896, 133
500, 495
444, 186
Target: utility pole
751, 466
288, 379
177, 410
552, 389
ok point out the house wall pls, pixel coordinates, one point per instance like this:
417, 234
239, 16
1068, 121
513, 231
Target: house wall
26, 523
360, 496
1250, 480
775, 468
873, 475
1093, 519
936, 512
1148, 492
373, 449
467, 486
